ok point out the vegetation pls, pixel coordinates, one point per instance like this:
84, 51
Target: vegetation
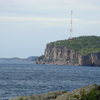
92, 95
91, 92
83, 44
85, 94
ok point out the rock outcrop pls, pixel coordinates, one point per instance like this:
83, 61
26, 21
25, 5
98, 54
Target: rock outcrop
91, 92
59, 55
64, 55
92, 59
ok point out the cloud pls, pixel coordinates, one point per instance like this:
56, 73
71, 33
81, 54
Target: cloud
48, 11
6, 18
48, 21
52, 4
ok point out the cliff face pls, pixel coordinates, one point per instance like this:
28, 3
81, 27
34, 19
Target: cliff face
76, 51
64, 56
91, 59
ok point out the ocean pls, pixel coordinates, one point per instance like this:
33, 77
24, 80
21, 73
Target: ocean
28, 79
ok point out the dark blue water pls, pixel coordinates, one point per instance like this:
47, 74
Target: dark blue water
27, 79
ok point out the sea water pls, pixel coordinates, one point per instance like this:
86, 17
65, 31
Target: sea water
28, 79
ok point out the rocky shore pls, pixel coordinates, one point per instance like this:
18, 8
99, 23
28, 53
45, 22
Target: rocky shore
91, 92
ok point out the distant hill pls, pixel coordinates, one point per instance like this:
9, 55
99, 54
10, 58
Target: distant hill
31, 58
16, 60
84, 50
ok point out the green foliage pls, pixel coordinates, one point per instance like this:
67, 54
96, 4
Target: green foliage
92, 95
76, 96
83, 44
41, 57
21, 98
89, 50
83, 94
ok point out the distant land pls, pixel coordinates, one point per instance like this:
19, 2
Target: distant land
16, 60
83, 50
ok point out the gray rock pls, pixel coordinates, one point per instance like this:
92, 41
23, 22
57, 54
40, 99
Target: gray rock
64, 56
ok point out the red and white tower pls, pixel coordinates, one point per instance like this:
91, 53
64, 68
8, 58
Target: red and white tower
71, 25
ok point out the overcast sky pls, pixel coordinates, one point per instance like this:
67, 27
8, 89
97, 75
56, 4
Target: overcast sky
26, 26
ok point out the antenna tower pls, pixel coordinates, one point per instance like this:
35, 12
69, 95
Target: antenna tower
71, 25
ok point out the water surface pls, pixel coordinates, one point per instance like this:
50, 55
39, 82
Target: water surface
27, 79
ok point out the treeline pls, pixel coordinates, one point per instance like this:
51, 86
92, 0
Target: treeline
83, 44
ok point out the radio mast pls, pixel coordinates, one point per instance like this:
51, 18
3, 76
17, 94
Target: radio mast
71, 25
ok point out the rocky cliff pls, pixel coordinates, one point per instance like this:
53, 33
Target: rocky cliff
76, 51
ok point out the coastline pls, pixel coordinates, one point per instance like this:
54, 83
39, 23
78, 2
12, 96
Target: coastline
79, 51
91, 92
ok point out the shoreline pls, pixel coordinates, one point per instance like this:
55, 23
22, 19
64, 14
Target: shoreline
85, 93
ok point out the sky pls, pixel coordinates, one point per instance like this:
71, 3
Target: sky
26, 26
